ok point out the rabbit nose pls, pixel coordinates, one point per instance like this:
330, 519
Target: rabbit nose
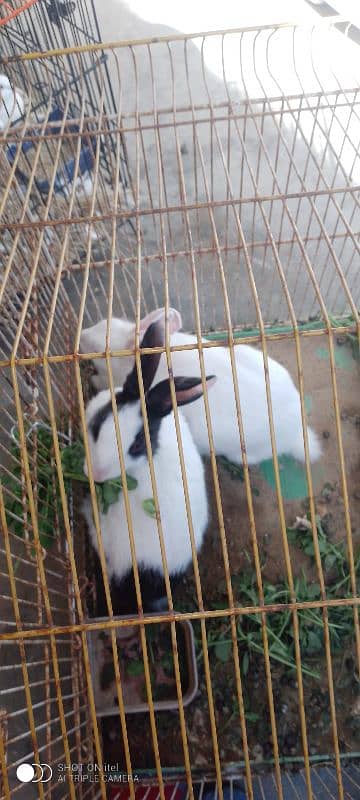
98, 476
97, 473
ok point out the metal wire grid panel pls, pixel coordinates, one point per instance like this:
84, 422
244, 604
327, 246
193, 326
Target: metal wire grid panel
9, 11
246, 212
49, 25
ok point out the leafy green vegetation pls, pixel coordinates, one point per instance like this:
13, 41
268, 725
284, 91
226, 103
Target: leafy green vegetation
279, 624
149, 507
235, 471
45, 480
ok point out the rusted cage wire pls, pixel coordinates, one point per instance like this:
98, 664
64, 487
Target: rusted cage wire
243, 147
47, 26
11, 10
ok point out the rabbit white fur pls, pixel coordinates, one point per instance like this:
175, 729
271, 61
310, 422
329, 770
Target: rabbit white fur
122, 337
105, 465
11, 103
252, 392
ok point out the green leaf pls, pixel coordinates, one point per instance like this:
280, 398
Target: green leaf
130, 482
292, 535
251, 716
223, 650
308, 548
135, 668
314, 642
46, 539
235, 470
48, 499
312, 591
149, 507
108, 492
330, 561
72, 458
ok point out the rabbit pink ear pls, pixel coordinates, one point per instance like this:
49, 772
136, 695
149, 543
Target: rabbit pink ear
175, 321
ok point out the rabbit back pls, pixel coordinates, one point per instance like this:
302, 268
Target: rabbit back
250, 379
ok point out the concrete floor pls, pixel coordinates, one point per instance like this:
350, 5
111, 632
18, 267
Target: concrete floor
310, 157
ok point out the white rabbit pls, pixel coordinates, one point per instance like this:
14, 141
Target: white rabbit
252, 392
105, 465
11, 103
122, 337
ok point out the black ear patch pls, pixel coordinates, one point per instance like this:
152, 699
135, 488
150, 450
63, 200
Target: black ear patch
102, 414
154, 336
187, 390
159, 405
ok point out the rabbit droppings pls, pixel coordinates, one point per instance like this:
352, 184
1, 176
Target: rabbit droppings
252, 391
105, 465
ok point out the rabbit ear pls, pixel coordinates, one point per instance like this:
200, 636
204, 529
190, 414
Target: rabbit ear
153, 337
187, 390
175, 321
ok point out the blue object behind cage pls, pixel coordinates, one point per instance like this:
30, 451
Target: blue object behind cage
65, 175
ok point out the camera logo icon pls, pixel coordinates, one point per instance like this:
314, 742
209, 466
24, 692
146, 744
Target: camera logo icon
34, 773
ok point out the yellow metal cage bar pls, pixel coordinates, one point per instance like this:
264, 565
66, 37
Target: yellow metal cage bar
194, 244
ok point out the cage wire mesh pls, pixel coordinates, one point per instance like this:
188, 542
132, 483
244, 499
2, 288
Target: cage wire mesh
47, 26
243, 150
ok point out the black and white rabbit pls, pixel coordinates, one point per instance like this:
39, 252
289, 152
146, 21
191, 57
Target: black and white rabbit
122, 337
105, 465
252, 391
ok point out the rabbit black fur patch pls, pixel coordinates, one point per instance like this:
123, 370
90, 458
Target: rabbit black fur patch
138, 447
102, 414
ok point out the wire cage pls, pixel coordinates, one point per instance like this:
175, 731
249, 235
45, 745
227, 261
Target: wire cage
49, 25
11, 10
243, 147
